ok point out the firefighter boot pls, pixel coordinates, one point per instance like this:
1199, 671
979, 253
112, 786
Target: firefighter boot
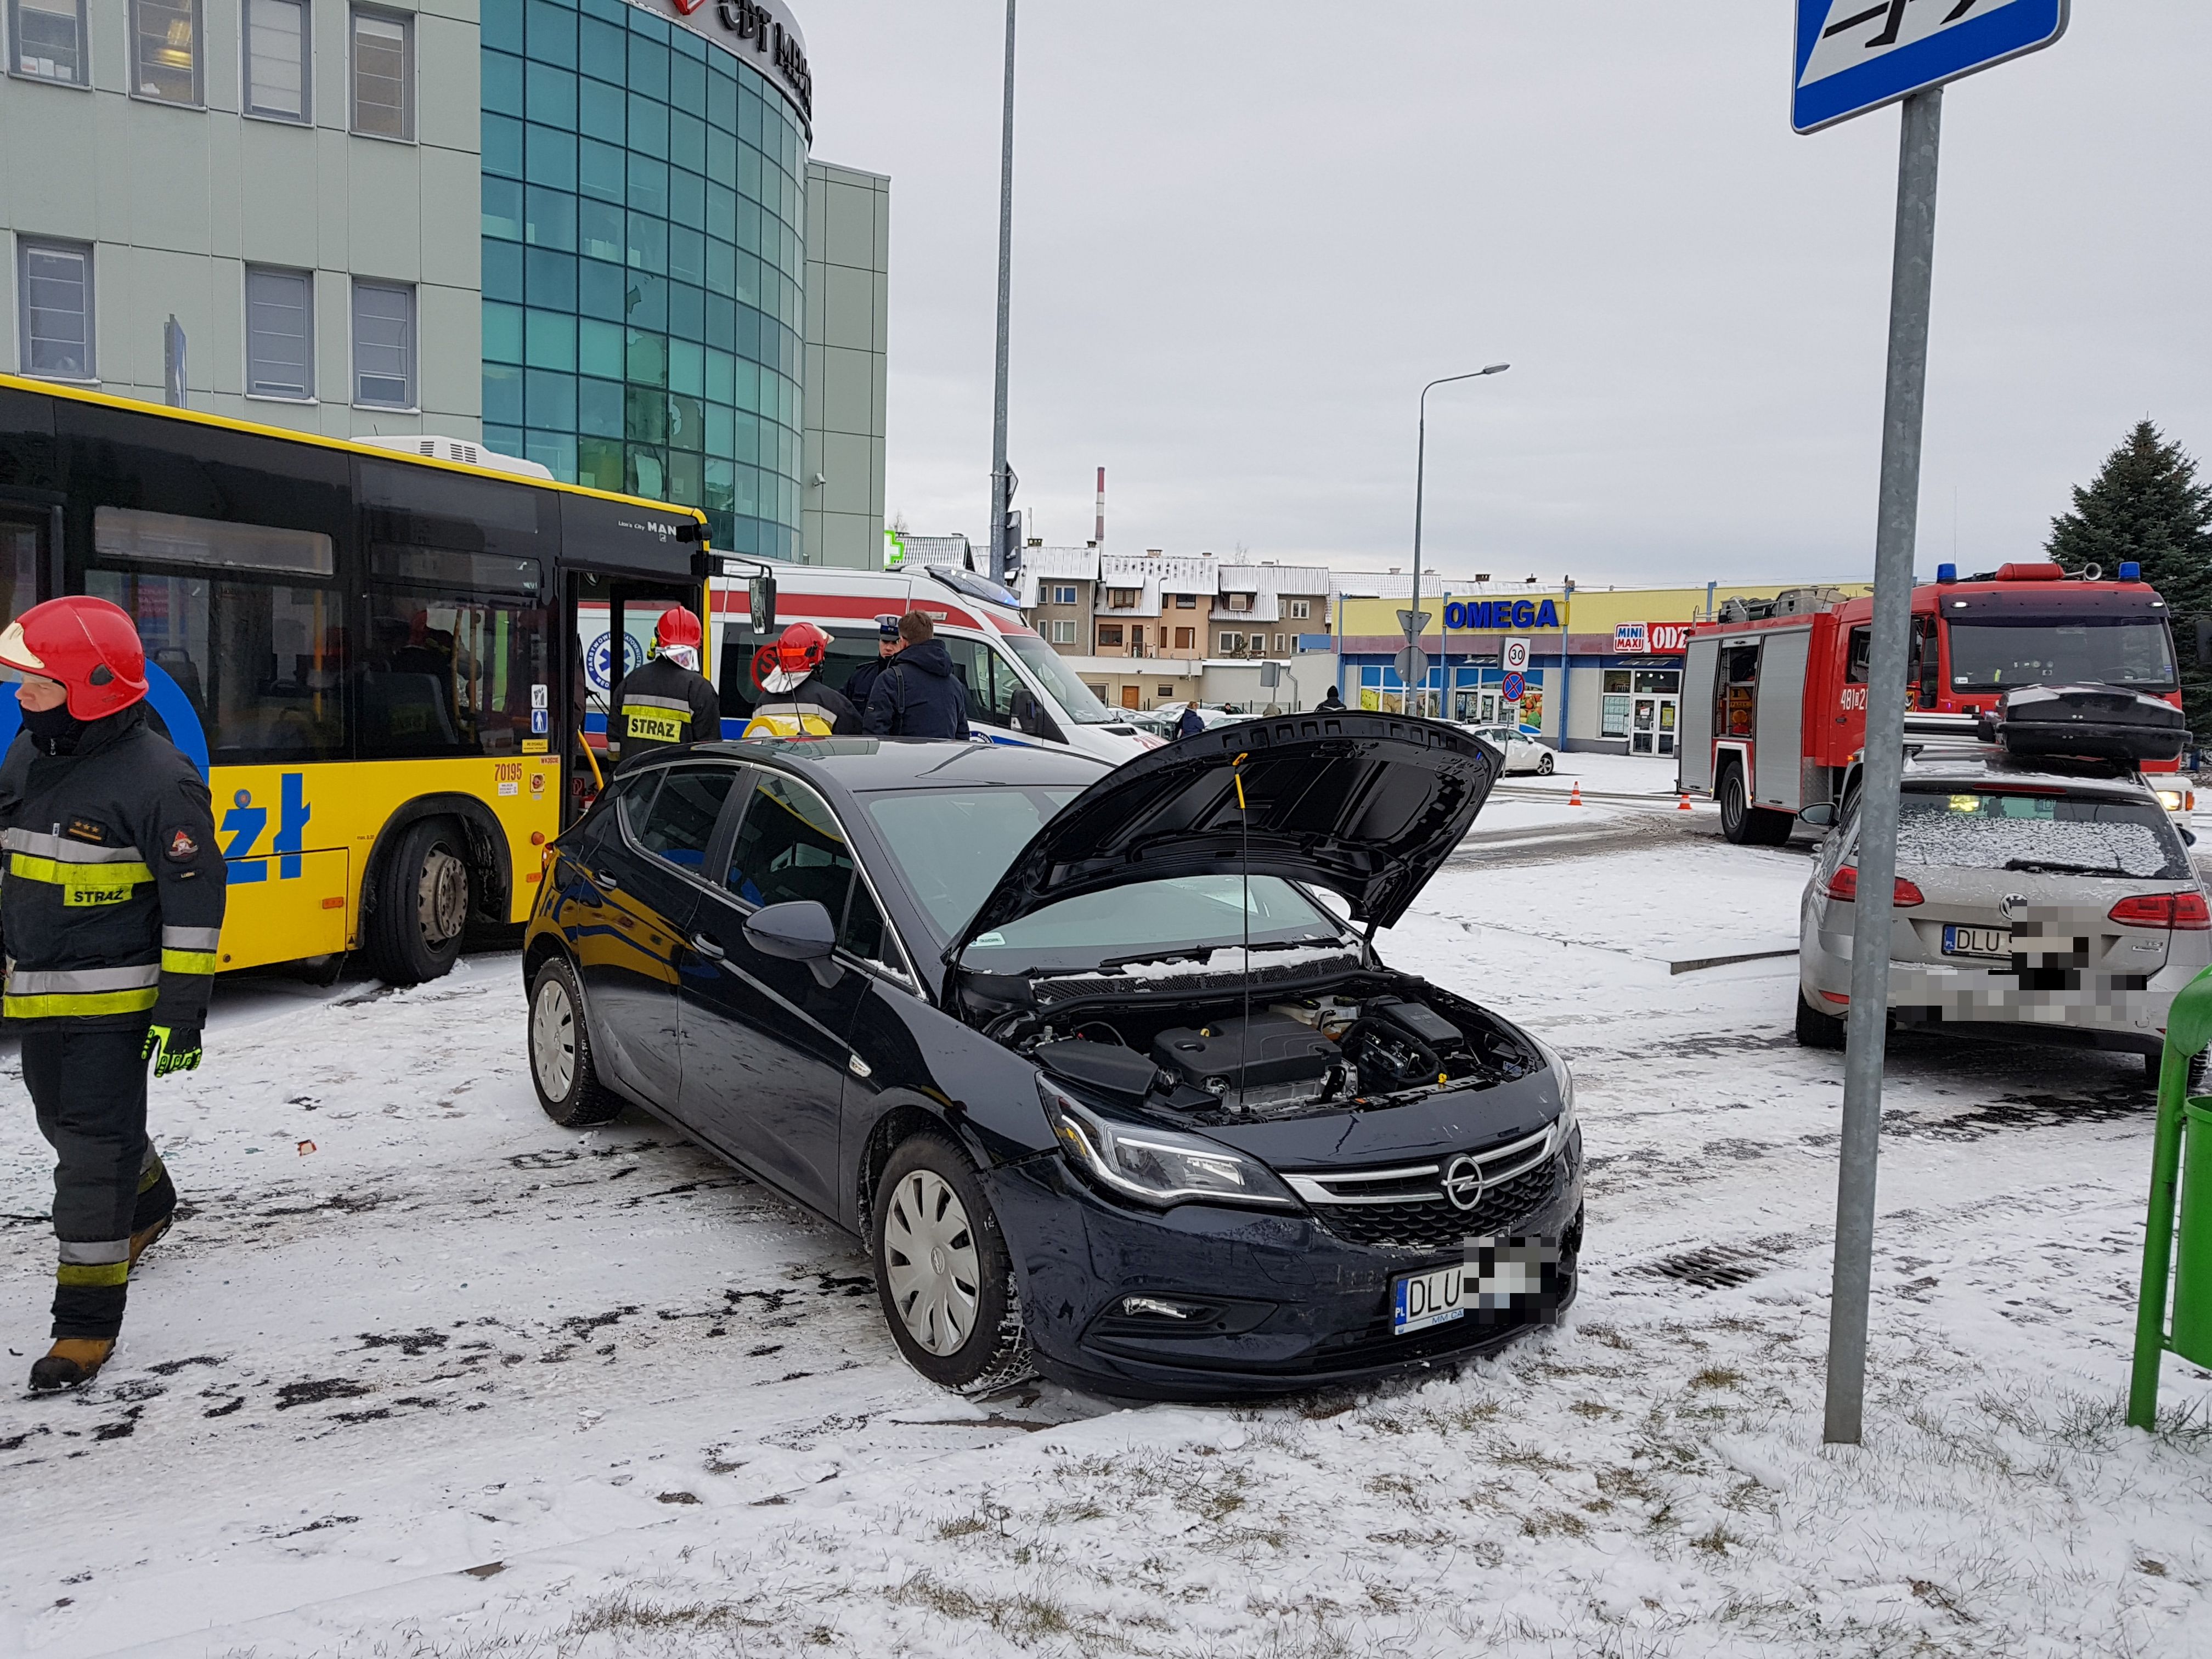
71, 1363
155, 1212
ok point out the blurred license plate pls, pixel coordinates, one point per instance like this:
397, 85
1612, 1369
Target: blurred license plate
1976, 941
1420, 1300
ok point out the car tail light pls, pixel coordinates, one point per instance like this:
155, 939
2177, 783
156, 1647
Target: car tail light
2186, 911
1844, 885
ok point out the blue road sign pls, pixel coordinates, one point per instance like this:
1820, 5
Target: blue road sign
1513, 689
1857, 55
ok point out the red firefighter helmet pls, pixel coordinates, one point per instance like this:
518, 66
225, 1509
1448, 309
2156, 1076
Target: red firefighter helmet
791, 657
676, 626
89, 645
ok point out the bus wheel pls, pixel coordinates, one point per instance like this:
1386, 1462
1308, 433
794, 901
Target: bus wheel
414, 932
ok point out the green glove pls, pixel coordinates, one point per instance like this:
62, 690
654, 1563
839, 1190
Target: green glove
171, 1051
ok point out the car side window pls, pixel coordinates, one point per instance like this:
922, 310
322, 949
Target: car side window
789, 845
681, 820
633, 798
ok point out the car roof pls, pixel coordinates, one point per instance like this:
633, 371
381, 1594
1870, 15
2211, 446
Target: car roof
859, 765
1987, 765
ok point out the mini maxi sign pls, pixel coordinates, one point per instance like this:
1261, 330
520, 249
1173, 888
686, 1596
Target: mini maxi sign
1857, 55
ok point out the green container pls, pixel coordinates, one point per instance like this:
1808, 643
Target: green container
2191, 1334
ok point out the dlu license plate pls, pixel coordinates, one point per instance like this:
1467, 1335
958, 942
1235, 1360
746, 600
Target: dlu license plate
1976, 941
1420, 1300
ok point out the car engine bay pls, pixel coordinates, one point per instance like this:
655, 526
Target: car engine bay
1375, 1040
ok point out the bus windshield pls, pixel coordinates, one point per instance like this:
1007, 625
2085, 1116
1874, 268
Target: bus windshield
1075, 699
1994, 654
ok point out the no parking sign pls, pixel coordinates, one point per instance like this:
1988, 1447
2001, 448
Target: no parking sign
1514, 686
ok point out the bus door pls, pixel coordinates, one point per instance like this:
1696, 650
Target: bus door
610, 623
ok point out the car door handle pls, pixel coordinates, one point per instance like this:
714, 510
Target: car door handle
602, 879
706, 948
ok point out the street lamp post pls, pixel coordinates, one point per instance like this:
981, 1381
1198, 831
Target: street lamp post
1420, 483
1000, 479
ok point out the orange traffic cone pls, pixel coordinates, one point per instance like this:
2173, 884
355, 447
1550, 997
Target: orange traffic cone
1576, 798
1683, 804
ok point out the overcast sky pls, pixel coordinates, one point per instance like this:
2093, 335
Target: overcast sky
1246, 232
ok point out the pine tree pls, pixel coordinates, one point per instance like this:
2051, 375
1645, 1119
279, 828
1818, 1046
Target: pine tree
2147, 504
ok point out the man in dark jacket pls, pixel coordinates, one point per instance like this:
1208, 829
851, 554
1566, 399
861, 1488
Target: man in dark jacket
917, 695
665, 701
1190, 723
864, 678
113, 907
1331, 704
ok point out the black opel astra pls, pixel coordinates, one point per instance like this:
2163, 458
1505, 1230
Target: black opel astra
1107, 1088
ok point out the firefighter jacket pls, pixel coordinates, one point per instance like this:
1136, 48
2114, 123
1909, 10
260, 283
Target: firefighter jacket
660, 703
111, 900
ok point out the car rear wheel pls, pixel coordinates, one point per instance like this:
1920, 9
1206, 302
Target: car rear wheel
942, 1270
561, 1065
1816, 1030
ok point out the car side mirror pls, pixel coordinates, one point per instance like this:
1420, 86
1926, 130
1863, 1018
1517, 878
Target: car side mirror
2188, 837
799, 929
760, 603
1821, 814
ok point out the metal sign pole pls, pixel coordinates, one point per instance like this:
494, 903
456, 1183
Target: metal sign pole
999, 493
1911, 278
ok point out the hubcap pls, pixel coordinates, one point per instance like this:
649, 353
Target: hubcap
553, 1040
442, 895
929, 1262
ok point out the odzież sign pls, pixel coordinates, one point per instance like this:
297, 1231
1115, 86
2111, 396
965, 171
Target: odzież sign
1650, 638
772, 32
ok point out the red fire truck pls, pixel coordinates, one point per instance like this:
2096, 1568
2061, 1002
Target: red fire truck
1774, 692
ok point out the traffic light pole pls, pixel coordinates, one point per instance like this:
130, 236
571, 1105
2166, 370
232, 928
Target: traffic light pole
1911, 283
999, 476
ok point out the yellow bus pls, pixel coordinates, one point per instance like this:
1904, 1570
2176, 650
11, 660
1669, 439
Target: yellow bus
371, 652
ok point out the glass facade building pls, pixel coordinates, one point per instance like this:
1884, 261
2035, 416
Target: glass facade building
644, 263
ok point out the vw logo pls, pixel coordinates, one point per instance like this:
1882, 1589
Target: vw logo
1462, 1182
2013, 903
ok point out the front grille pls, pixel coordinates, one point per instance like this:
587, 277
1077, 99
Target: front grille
1437, 1224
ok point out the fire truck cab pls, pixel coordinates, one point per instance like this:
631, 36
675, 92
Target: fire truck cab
1774, 692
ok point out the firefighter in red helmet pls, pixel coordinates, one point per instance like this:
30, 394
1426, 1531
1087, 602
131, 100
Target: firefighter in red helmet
665, 699
112, 906
795, 701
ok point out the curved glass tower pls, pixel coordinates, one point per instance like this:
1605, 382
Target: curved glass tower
644, 272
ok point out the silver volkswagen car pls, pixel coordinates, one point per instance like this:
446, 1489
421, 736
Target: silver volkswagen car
2037, 901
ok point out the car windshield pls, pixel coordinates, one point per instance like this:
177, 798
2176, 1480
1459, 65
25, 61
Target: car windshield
1992, 655
1075, 699
2049, 835
952, 845
1148, 920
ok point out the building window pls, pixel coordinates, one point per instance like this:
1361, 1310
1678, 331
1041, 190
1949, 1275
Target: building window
1231, 644
54, 288
1063, 596
280, 334
1186, 601
277, 59
1612, 717
1109, 633
1301, 608
1062, 632
1614, 680
1237, 601
1282, 644
1186, 639
384, 344
1167, 692
1122, 598
164, 49
49, 39
383, 75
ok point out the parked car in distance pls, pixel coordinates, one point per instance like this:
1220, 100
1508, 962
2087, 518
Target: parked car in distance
2038, 901
1523, 751
986, 1008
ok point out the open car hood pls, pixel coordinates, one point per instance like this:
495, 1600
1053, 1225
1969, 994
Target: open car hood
1367, 805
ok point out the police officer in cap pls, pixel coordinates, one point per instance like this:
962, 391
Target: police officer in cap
112, 908
666, 700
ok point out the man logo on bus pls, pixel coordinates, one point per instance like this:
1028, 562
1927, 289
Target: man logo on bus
245, 822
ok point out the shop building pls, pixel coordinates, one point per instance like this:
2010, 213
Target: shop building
573, 230
1605, 664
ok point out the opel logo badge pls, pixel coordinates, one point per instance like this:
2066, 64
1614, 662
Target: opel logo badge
2013, 903
1462, 1182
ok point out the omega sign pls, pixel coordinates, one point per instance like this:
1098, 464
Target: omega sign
763, 25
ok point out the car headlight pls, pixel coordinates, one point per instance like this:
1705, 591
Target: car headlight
2178, 800
1564, 1128
1157, 1166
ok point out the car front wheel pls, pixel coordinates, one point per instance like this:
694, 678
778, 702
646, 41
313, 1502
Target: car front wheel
1543, 766
942, 1272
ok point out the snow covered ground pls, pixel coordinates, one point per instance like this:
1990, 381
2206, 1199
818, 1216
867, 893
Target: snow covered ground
457, 1383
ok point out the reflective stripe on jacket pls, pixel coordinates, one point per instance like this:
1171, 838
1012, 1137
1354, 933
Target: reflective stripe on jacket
660, 703
112, 902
